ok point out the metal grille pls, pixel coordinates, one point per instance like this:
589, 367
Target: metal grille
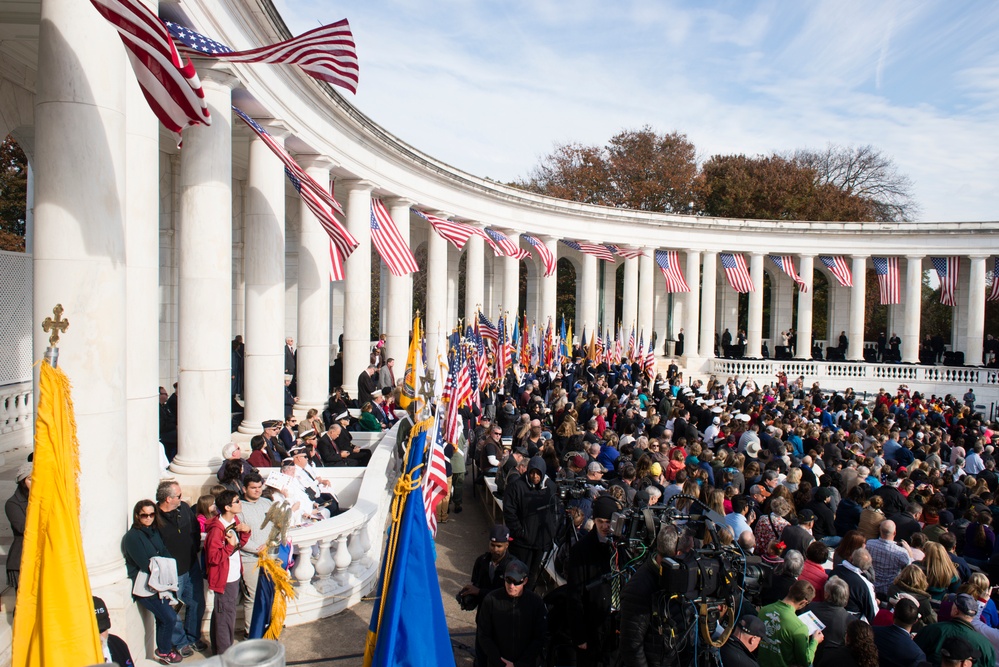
15, 317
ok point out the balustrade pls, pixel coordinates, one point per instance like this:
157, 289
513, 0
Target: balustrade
16, 412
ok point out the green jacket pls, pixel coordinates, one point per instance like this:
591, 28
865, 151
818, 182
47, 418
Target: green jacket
932, 637
787, 642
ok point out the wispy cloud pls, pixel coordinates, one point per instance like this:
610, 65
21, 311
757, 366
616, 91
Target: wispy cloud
489, 87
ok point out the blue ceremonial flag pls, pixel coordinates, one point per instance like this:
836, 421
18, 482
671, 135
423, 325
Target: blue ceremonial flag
407, 623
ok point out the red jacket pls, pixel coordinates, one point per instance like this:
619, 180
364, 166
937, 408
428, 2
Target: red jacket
217, 552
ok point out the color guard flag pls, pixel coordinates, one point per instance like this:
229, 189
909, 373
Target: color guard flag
408, 626
946, 268
886, 269
414, 368
55, 622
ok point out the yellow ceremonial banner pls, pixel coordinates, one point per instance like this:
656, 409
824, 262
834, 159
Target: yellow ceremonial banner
413, 367
54, 623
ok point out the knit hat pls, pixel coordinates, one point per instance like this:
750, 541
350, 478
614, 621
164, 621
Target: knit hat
605, 506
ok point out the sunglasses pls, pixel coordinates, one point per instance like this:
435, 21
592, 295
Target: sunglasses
146, 515
514, 582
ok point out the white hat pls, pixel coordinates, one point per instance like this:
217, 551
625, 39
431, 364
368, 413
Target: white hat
717, 410
742, 417
753, 449
716, 420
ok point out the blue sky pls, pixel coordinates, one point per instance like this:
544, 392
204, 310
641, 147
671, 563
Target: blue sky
488, 87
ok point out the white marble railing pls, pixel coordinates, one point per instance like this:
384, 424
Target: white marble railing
338, 559
16, 413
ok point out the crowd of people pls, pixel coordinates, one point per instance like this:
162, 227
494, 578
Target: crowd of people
873, 514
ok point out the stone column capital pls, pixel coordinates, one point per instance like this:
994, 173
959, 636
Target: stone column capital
978, 255
759, 253
915, 258
217, 72
395, 200
356, 184
314, 160
806, 254
860, 255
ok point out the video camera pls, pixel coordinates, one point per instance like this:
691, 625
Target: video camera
574, 489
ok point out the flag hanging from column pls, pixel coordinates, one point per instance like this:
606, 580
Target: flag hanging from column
786, 264
669, 264
326, 53
736, 272
946, 268
506, 246
839, 268
391, 247
546, 256
886, 269
994, 294
624, 251
172, 88
595, 249
55, 622
457, 233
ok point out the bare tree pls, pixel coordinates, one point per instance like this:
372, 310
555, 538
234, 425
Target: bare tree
864, 172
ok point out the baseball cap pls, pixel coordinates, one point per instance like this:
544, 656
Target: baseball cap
595, 466
271, 423
499, 533
956, 648
752, 625
966, 604
806, 516
577, 461
103, 617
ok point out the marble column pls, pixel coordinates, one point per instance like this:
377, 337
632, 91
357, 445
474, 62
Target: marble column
709, 291
142, 200
973, 348
437, 325
608, 296
474, 276
263, 262
399, 293
806, 271
913, 307
548, 285
692, 305
646, 298
357, 284
586, 308
511, 285
754, 325
313, 362
858, 302
629, 302
80, 256
204, 270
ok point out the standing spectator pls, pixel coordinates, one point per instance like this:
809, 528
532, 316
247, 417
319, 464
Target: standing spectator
141, 543
254, 509
787, 641
226, 535
16, 509
529, 509
512, 621
181, 533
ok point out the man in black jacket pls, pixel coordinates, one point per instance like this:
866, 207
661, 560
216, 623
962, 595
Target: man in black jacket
589, 591
739, 649
181, 533
512, 621
529, 510
862, 600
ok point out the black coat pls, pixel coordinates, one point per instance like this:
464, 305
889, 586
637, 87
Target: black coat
825, 520
735, 654
481, 578
530, 512
511, 628
641, 644
589, 561
861, 600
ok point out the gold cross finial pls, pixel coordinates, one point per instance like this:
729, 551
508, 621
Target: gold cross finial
56, 326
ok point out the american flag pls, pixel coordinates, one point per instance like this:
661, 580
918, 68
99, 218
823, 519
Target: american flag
478, 368
457, 233
632, 354
389, 243
326, 53
319, 199
488, 330
171, 88
736, 272
503, 351
887, 270
994, 294
839, 268
626, 252
669, 264
434, 482
786, 264
336, 264
947, 272
650, 362
508, 247
595, 249
546, 256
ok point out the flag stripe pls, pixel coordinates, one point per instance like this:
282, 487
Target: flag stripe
597, 250
786, 264
839, 268
947, 271
546, 256
886, 269
508, 247
391, 247
994, 294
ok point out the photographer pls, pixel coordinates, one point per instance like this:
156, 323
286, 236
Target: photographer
643, 641
589, 588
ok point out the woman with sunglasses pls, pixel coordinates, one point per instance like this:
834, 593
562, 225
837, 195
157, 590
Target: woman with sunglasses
142, 542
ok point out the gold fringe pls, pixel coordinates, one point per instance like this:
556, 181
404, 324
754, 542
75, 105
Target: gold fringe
283, 591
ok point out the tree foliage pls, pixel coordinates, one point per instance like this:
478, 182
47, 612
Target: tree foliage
639, 169
13, 192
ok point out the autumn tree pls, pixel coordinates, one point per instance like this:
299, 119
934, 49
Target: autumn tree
865, 173
13, 195
639, 169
